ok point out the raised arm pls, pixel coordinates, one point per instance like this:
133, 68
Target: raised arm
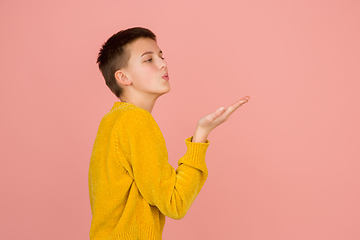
172, 192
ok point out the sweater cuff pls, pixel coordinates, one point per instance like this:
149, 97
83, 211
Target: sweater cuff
195, 151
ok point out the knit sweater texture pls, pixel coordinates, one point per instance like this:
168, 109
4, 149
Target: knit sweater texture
132, 186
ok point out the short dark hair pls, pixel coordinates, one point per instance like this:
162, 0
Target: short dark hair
114, 56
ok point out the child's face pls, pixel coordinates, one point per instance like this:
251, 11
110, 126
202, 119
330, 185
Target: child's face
146, 67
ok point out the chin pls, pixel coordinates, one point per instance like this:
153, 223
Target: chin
168, 89
165, 92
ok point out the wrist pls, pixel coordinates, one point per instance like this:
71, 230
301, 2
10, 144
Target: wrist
200, 135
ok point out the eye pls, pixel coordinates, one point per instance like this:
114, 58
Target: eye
150, 59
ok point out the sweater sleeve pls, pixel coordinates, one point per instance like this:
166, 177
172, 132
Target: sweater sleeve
171, 191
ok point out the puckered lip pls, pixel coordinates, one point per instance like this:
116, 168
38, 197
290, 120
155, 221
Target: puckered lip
166, 75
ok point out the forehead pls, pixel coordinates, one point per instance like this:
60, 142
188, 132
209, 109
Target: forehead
142, 45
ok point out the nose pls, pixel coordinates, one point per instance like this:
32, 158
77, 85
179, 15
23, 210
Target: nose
162, 63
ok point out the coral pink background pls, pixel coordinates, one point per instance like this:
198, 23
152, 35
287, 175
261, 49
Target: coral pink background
285, 165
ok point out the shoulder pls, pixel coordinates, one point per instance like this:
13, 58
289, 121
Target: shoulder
137, 114
135, 119
126, 112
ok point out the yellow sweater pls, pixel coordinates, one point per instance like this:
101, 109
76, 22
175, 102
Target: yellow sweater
132, 186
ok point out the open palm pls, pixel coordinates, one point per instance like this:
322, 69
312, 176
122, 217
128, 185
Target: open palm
212, 120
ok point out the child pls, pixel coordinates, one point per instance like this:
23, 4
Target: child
132, 186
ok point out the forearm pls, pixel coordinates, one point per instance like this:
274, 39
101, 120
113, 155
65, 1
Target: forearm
171, 191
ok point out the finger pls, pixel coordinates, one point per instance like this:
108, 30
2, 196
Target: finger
228, 111
241, 102
217, 113
244, 100
236, 105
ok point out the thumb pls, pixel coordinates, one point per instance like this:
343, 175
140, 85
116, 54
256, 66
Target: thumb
214, 115
218, 112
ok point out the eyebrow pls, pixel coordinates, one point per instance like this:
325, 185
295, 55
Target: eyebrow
149, 53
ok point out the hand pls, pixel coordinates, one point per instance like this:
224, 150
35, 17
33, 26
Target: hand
207, 123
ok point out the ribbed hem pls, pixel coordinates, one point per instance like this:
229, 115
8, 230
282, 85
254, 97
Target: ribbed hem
195, 154
136, 233
189, 139
196, 151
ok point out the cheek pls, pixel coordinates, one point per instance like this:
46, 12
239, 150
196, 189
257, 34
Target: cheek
147, 72
144, 75
150, 69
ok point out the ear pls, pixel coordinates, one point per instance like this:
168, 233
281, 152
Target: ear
122, 78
